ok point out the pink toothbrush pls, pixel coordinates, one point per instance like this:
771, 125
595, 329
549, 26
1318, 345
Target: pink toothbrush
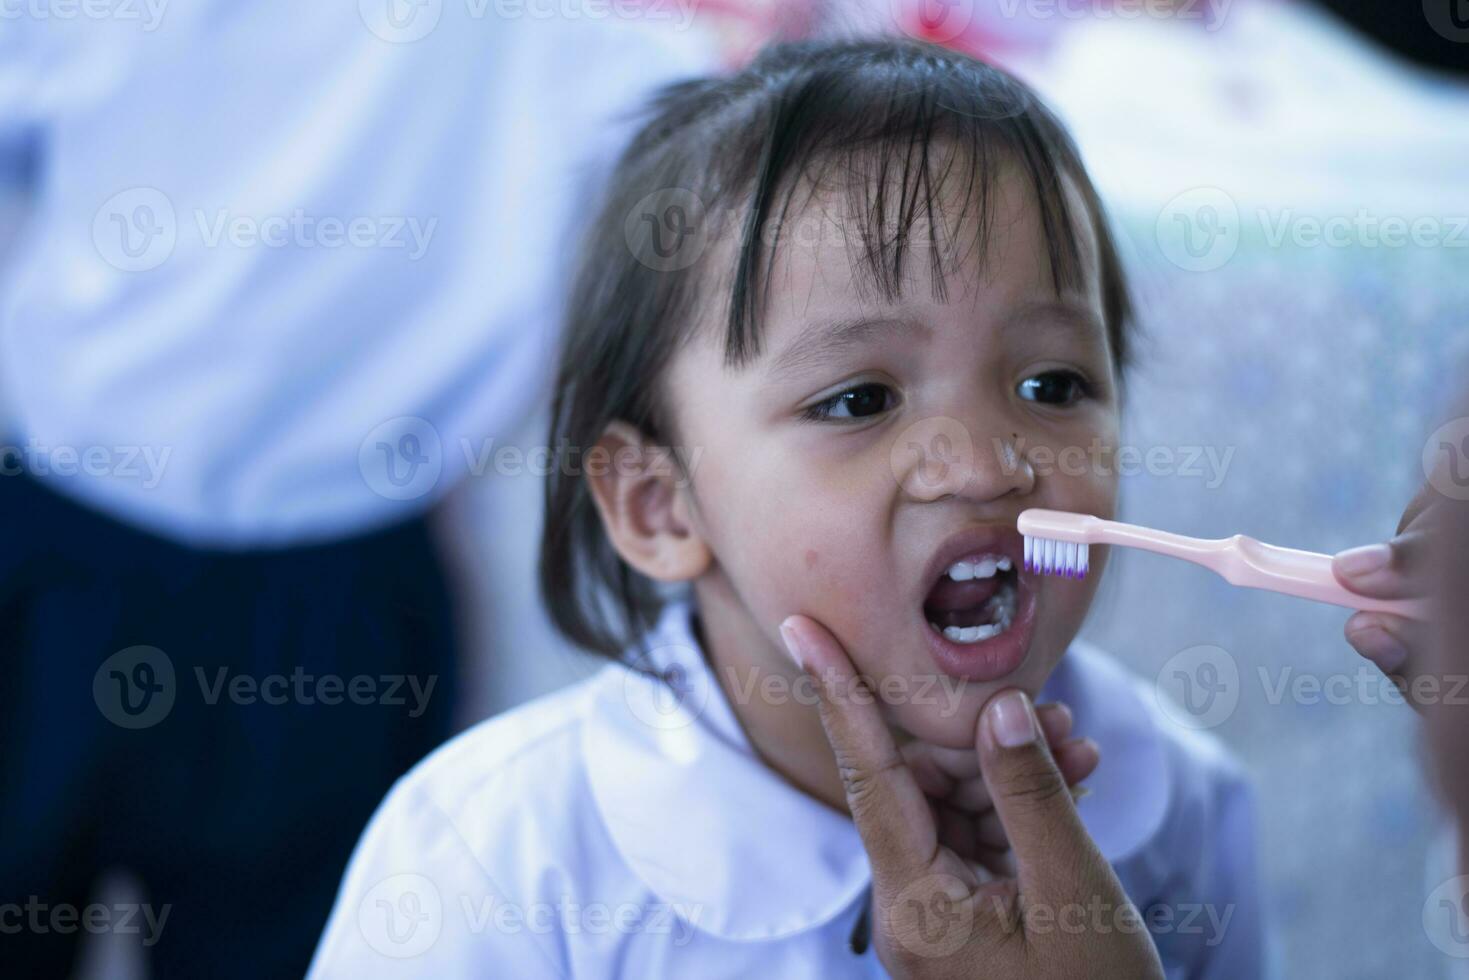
1056, 543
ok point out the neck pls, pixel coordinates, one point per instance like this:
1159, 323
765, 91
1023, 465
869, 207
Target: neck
773, 700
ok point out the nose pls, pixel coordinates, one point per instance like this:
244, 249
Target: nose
942, 456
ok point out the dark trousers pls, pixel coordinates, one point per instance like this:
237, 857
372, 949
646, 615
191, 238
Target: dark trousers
221, 725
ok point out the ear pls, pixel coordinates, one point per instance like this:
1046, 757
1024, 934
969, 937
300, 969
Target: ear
645, 506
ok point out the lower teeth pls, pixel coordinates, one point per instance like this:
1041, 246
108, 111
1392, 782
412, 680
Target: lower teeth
972, 634
1001, 610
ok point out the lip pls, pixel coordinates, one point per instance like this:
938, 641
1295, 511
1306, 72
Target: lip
991, 659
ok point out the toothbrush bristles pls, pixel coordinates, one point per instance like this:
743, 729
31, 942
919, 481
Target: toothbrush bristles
1049, 557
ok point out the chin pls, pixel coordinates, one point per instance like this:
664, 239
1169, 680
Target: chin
951, 723
944, 710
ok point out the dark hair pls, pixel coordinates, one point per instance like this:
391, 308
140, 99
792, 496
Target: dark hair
872, 110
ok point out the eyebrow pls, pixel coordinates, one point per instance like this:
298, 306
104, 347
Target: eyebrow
1072, 317
823, 341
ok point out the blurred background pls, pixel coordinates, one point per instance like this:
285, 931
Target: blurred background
1288, 179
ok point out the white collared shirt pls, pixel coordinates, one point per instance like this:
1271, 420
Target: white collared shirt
625, 827
295, 269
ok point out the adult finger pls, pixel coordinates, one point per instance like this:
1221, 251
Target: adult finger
984, 833
1384, 639
889, 809
1077, 759
1394, 569
1055, 856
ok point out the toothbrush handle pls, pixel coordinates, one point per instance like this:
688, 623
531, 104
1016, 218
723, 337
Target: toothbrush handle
1241, 560
1254, 564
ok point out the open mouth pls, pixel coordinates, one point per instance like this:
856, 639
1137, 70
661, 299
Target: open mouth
980, 608
974, 600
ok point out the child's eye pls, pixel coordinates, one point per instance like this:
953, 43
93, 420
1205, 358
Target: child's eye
858, 402
1054, 388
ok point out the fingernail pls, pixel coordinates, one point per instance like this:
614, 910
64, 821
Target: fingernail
1012, 720
793, 645
1365, 560
1380, 647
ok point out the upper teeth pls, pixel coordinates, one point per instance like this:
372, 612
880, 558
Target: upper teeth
963, 571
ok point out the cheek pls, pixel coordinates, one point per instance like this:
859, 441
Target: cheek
1083, 474
786, 542
814, 562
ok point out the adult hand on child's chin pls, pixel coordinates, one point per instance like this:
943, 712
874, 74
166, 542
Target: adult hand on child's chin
961, 805
1395, 569
935, 913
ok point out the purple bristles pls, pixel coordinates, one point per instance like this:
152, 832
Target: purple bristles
1067, 559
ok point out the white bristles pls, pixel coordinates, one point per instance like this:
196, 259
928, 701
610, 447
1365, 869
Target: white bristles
1050, 557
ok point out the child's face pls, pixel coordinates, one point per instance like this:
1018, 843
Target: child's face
852, 511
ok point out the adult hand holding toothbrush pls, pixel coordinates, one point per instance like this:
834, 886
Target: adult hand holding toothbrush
1399, 568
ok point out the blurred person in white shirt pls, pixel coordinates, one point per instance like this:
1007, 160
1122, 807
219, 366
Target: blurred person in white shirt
285, 261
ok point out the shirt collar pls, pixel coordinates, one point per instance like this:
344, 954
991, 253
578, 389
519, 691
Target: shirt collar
694, 811
742, 854
1133, 788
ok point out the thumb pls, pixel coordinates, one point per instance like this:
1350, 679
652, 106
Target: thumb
1055, 857
1391, 570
